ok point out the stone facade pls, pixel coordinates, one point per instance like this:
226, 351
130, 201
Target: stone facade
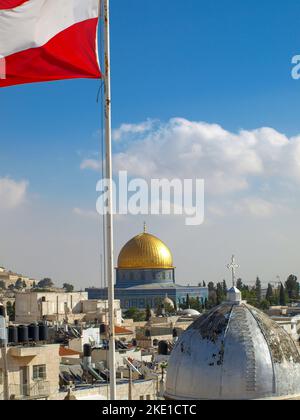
37, 306
141, 390
33, 372
9, 279
60, 306
142, 296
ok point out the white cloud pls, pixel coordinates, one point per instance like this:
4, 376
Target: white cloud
92, 164
255, 207
88, 214
132, 129
229, 162
247, 168
12, 193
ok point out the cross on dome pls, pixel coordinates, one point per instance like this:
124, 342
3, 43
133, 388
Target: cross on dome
233, 267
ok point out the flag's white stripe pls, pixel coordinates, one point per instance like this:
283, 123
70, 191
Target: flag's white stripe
34, 23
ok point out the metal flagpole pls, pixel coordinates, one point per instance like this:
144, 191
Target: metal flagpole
109, 218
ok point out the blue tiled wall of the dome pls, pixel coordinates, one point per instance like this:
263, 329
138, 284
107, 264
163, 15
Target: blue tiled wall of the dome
141, 298
132, 278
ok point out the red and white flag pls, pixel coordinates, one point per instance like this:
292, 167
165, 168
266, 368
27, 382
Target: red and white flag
45, 40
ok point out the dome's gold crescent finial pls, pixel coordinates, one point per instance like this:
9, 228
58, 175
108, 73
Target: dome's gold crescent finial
145, 227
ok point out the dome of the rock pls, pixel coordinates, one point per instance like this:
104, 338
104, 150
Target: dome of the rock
145, 251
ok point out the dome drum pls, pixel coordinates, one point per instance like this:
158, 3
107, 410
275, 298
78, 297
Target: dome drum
139, 277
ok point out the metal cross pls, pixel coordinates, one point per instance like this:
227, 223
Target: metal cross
233, 267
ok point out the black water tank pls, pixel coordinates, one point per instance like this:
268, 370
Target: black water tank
102, 328
163, 348
12, 335
43, 332
33, 333
87, 350
23, 334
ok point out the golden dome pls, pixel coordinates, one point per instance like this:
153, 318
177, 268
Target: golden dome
145, 251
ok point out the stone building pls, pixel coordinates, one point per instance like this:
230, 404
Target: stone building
37, 306
10, 278
33, 372
145, 275
61, 306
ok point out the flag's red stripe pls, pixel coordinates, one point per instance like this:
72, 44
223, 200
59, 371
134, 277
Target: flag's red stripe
10, 4
69, 55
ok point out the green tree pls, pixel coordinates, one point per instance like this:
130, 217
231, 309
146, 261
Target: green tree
46, 283
225, 288
258, 290
250, 295
148, 313
135, 314
220, 293
69, 288
187, 302
264, 305
206, 305
10, 310
19, 284
239, 284
160, 308
270, 294
211, 287
282, 296
292, 287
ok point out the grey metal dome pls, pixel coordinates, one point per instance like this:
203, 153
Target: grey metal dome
233, 352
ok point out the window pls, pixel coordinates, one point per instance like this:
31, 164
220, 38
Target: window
39, 372
148, 397
141, 397
1, 377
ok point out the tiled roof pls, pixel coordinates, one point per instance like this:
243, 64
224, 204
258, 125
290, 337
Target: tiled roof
122, 330
63, 352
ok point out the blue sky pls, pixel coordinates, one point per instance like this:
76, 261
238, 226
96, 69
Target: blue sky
224, 62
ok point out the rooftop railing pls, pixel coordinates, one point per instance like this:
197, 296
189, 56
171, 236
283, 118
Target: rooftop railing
36, 390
